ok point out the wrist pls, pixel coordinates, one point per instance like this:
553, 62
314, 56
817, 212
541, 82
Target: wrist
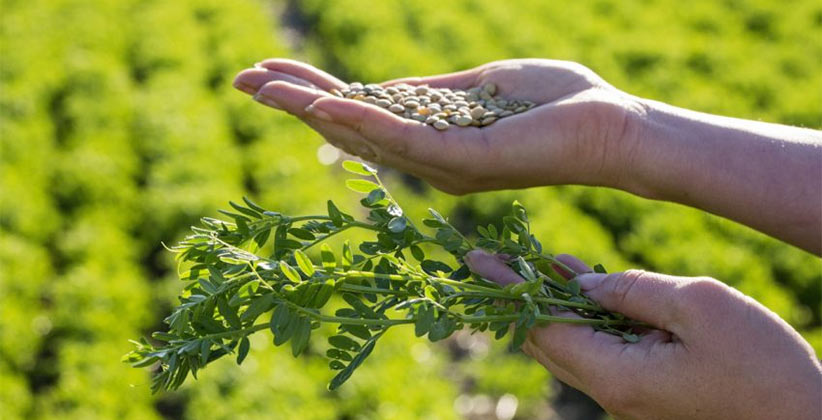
654, 159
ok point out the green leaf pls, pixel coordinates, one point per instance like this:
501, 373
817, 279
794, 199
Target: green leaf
483, 231
437, 216
442, 328
228, 313
432, 266
432, 223
520, 334
514, 224
257, 306
425, 318
397, 224
253, 205
343, 342
338, 354
431, 293
323, 294
525, 270
361, 308
347, 255
358, 168
360, 185
631, 338
242, 352
290, 272
599, 268
286, 330
205, 351
519, 211
359, 331
262, 237
289, 244
355, 363
327, 256
249, 288
246, 211
573, 287
374, 197
302, 234
301, 334
417, 253
305, 264
207, 286
334, 214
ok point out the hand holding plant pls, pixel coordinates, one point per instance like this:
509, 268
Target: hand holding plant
256, 267
710, 352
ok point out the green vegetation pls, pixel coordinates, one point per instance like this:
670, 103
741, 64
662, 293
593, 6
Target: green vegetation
119, 129
237, 272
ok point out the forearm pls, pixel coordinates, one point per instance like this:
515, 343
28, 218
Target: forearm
766, 176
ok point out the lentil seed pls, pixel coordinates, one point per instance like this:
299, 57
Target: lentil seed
438, 107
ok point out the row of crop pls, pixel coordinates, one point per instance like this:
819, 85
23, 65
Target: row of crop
704, 60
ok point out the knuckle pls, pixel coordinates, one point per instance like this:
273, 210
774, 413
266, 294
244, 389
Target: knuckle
622, 284
703, 292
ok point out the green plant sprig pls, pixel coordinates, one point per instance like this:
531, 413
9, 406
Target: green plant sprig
256, 263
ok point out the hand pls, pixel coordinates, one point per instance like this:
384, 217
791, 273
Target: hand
717, 354
579, 133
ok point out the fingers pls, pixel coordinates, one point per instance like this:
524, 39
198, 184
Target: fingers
303, 71
289, 97
654, 298
251, 80
491, 267
413, 146
459, 80
563, 375
573, 263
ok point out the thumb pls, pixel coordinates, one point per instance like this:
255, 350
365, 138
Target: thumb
666, 302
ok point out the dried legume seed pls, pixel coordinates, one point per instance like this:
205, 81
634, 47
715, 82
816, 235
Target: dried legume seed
441, 125
438, 107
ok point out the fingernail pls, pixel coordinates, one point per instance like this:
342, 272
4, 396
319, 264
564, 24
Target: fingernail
588, 281
318, 113
267, 101
244, 87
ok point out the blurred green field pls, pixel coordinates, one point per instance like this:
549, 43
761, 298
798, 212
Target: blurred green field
119, 129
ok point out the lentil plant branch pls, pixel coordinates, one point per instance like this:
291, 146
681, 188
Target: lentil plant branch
239, 270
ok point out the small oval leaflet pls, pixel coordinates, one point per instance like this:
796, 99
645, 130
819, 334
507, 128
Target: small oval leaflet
358, 168
361, 185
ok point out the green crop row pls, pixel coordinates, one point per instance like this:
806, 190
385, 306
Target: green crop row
119, 129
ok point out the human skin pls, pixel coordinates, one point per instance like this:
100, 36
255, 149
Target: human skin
713, 353
583, 131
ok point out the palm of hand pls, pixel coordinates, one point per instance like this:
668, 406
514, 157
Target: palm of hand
562, 140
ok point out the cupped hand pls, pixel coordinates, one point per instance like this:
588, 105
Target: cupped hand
716, 353
580, 132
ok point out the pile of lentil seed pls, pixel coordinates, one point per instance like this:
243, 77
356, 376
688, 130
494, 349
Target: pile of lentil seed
438, 107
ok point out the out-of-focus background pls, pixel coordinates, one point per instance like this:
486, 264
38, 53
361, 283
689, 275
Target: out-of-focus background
119, 129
